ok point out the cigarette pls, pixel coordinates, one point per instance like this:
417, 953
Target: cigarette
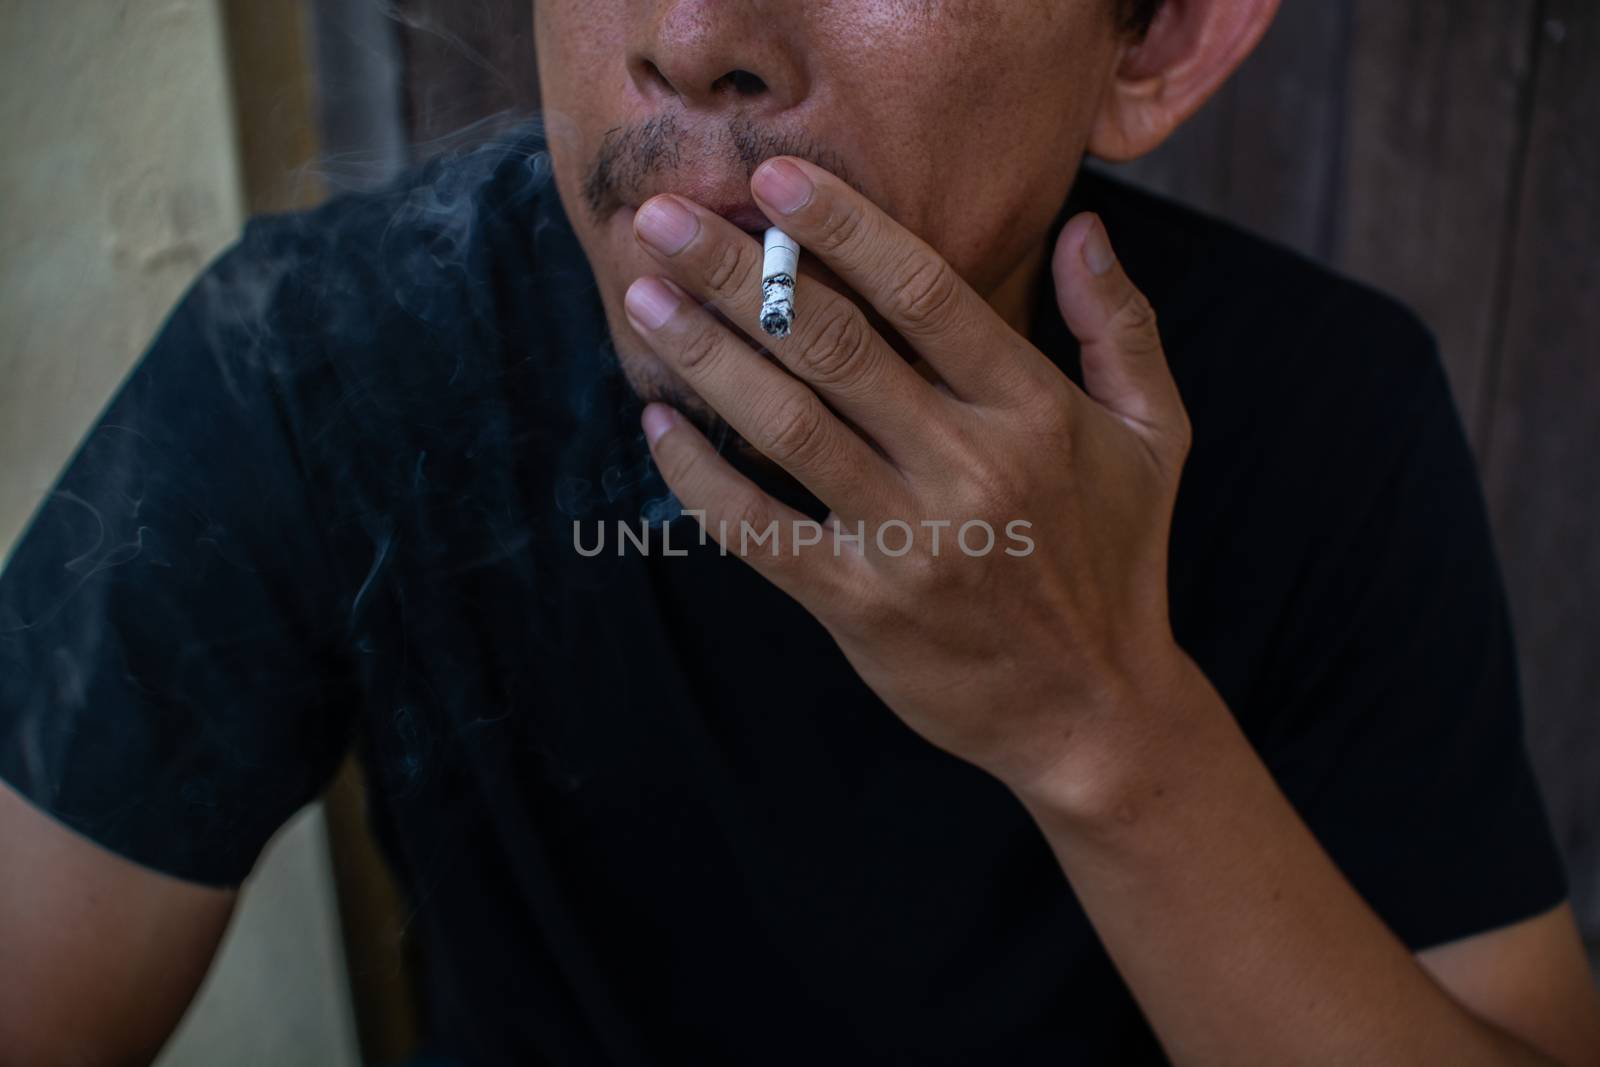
777, 283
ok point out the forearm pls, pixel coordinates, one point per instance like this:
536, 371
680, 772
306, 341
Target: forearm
1235, 932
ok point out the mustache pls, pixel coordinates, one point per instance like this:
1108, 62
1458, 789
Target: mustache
631, 155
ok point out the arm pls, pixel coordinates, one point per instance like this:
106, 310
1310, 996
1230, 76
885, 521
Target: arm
172, 683
1242, 941
1055, 668
103, 956
1530, 978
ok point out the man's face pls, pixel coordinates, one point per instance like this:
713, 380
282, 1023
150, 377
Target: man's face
965, 120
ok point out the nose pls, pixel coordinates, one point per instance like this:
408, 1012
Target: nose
717, 55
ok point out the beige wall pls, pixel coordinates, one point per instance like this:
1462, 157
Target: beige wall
277, 996
118, 182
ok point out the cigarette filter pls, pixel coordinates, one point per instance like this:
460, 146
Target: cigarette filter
777, 283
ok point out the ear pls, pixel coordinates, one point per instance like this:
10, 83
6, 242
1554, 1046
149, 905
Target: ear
1160, 81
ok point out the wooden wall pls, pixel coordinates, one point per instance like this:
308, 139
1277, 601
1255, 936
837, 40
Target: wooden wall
467, 62
1540, 434
1448, 152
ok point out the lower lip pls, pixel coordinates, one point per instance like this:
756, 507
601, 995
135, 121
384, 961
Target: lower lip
628, 211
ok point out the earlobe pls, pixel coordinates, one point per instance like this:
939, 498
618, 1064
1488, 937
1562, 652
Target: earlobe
1132, 120
1161, 81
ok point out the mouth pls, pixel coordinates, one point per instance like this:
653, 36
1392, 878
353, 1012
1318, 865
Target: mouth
746, 216
726, 194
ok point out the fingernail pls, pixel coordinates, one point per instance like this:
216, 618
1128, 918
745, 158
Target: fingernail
650, 303
666, 225
1097, 254
657, 420
783, 185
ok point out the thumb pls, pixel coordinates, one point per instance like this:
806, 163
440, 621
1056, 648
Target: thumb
1124, 366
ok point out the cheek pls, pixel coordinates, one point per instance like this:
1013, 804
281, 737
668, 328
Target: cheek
973, 113
581, 47
583, 89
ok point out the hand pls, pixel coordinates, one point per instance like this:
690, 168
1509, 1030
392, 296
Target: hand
1009, 657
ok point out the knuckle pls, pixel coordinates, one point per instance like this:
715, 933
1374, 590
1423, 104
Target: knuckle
699, 351
1047, 413
837, 351
866, 608
748, 511
1184, 435
842, 227
1135, 318
993, 486
927, 294
797, 434
730, 267
996, 499
1179, 440
922, 572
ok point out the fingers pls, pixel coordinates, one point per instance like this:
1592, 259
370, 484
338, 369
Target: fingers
780, 416
747, 522
1124, 365
832, 346
970, 346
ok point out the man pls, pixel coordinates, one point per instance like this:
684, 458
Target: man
1212, 753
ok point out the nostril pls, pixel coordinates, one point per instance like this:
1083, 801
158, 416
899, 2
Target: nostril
653, 72
741, 82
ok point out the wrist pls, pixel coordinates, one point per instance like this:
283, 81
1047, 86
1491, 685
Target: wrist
1133, 752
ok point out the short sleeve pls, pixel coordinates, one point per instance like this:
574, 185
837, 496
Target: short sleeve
171, 681
1397, 731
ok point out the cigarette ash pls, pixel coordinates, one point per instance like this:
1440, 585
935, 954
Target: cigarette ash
777, 305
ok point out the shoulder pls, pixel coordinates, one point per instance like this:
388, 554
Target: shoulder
386, 336
1329, 381
374, 311
422, 250
1232, 303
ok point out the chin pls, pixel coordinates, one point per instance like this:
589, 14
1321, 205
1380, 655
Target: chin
651, 379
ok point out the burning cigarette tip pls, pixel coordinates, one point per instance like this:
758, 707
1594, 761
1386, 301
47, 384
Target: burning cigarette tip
778, 273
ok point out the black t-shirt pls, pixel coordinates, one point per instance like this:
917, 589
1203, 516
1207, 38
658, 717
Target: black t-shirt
644, 811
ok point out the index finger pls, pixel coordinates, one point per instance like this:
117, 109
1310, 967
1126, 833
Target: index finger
916, 291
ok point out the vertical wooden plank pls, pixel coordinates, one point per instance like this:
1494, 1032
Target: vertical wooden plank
469, 68
1288, 127
1543, 451
381, 955
270, 71
278, 65
360, 88
1437, 101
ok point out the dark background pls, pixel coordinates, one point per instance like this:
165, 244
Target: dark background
1447, 151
